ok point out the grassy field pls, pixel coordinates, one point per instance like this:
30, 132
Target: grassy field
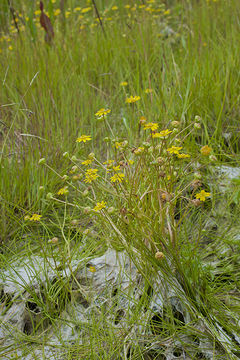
110, 137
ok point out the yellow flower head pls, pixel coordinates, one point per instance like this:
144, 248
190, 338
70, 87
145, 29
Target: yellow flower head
102, 112
117, 178
118, 144
63, 191
139, 150
183, 156
162, 134
85, 10
174, 149
202, 195
35, 217
92, 269
132, 99
205, 150
100, 205
151, 126
90, 175
83, 138
123, 83
87, 162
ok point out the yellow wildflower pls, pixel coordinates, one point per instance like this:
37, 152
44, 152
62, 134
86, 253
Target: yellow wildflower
183, 156
63, 191
92, 269
85, 10
100, 205
118, 144
102, 112
114, 8
161, 134
138, 151
76, 9
90, 175
132, 99
174, 149
83, 138
202, 195
123, 83
151, 126
116, 168
117, 177
35, 217
109, 162
57, 12
87, 162
205, 150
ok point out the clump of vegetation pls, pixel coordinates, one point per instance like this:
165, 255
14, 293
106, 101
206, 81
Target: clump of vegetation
115, 120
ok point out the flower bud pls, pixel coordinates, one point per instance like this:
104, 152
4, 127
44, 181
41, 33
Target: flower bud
197, 175
65, 154
73, 158
87, 210
85, 193
212, 158
54, 240
198, 118
74, 222
175, 123
197, 126
49, 196
65, 177
41, 188
91, 155
41, 161
159, 255
74, 169
146, 144
111, 210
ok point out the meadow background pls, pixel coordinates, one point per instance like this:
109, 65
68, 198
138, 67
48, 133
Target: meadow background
181, 58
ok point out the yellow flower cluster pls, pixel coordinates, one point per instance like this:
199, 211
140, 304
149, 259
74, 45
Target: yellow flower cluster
151, 126
162, 134
132, 99
102, 112
91, 175
117, 178
100, 205
83, 138
63, 191
202, 195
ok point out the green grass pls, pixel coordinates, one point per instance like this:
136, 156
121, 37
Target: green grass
189, 57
